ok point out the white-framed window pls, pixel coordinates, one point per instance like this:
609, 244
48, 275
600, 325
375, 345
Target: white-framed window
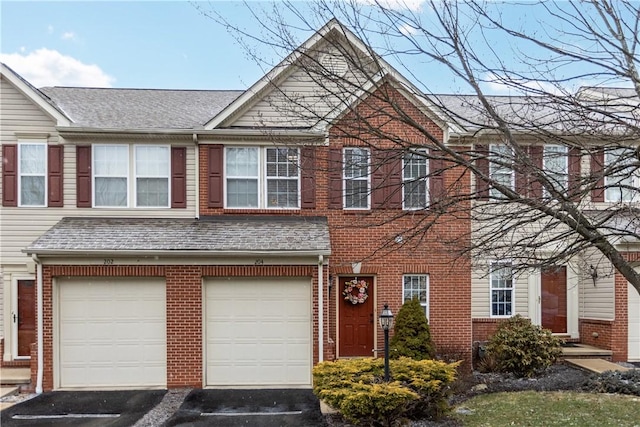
113, 165
262, 177
416, 286
356, 178
500, 157
555, 162
152, 176
502, 290
32, 170
415, 184
624, 183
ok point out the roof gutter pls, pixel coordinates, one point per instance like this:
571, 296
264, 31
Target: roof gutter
70, 132
169, 253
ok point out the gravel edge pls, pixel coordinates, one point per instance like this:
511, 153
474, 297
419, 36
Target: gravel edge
165, 409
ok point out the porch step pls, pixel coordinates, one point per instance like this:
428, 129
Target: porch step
14, 376
580, 351
596, 365
8, 391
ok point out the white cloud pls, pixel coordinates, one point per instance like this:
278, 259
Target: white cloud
498, 85
45, 67
69, 35
407, 30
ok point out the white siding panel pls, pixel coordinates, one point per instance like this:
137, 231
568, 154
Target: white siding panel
634, 324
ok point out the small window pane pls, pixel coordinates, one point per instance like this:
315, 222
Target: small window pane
33, 169
111, 192
415, 171
242, 193
501, 289
416, 287
152, 175
622, 184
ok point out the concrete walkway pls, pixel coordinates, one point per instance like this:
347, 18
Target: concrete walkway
596, 365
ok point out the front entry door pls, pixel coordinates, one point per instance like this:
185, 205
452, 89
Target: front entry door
356, 320
554, 299
26, 316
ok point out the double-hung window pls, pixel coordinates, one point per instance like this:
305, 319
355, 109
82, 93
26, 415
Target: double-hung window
32, 164
500, 171
501, 282
416, 286
356, 178
114, 164
555, 163
259, 177
622, 184
415, 169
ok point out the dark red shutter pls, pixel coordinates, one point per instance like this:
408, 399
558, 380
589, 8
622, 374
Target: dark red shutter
482, 163
378, 179
178, 177
83, 176
436, 179
215, 166
308, 177
55, 159
522, 174
536, 153
597, 166
574, 173
10, 175
394, 184
335, 179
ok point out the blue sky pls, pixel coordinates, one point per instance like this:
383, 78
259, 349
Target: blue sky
171, 45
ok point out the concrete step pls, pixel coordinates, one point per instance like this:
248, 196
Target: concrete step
8, 391
15, 376
596, 365
583, 350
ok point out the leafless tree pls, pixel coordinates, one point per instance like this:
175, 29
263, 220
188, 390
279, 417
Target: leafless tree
570, 69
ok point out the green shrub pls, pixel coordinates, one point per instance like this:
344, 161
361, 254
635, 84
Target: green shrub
627, 382
523, 348
356, 388
411, 333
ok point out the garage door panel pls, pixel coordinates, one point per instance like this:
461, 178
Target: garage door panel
634, 324
258, 332
112, 332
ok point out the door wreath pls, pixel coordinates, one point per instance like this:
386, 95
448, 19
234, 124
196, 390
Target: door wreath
361, 286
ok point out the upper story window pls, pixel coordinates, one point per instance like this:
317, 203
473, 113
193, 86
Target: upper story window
416, 286
356, 177
502, 292
555, 163
32, 172
112, 169
262, 177
623, 183
415, 169
501, 156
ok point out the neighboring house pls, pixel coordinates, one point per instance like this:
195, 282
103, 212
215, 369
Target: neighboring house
205, 238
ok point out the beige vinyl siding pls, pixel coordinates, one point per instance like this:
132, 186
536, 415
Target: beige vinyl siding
481, 294
597, 301
21, 226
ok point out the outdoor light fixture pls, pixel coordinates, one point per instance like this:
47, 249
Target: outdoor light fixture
594, 274
386, 323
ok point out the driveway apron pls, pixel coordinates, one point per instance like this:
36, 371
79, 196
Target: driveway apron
264, 408
82, 408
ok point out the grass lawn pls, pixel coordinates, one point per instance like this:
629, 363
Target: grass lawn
531, 408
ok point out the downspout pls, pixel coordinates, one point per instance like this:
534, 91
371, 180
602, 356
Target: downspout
195, 141
320, 308
39, 309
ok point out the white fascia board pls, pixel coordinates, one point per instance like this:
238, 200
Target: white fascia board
178, 253
34, 94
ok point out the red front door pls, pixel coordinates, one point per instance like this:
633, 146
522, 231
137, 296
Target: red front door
356, 320
554, 299
26, 316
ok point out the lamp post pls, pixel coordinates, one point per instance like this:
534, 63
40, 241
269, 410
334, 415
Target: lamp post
386, 323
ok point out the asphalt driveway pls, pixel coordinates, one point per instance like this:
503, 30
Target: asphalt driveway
264, 408
82, 408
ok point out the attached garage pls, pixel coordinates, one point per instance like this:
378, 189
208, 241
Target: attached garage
634, 324
111, 332
258, 332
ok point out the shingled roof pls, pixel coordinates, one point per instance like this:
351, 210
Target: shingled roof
108, 108
223, 234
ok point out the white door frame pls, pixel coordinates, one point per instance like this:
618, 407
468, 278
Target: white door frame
13, 315
535, 299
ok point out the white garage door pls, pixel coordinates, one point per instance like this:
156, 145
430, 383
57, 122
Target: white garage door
112, 333
258, 332
634, 324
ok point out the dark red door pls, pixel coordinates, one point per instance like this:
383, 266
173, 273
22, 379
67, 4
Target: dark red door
554, 299
356, 320
26, 316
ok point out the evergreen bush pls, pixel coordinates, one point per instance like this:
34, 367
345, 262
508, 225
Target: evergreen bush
522, 348
411, 333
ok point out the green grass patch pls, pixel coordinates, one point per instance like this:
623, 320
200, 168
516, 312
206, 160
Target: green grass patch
531, 408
